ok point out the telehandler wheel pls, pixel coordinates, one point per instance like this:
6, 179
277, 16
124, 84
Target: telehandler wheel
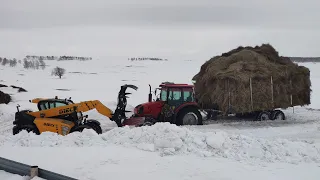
95, 127
28, 128
189, 116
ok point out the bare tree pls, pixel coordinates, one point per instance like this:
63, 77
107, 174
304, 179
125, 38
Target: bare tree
26, 64
37, 64
42, 64
32, 64
13, 62
58, 71
4, 61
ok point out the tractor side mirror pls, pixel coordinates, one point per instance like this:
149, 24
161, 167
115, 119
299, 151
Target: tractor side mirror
18, 107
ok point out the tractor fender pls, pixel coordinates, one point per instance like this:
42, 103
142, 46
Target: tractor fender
93, 121
186, 105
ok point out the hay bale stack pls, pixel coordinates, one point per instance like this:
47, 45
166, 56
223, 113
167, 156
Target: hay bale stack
224, 81
4, 98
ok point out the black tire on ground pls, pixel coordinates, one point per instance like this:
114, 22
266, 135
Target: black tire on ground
28, 128
95, 127
278, 115
187, 114
264, 116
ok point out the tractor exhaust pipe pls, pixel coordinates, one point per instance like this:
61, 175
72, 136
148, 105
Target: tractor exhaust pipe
150, 95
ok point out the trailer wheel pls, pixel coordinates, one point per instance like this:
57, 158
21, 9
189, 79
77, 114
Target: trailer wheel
264, 116
278, 115
189, 116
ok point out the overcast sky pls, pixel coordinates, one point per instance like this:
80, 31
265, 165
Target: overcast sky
293, 16
259, 13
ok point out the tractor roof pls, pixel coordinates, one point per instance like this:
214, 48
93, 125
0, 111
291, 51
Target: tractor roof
176, 85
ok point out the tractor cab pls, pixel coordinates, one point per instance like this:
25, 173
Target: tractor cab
176, 94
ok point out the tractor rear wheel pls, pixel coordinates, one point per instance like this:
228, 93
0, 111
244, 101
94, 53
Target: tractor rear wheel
189, 116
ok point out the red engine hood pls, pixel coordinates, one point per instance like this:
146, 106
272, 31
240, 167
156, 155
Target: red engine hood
149, 108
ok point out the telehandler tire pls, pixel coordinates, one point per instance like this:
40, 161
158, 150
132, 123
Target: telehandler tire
95, 127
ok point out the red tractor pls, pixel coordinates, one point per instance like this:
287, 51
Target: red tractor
175, 104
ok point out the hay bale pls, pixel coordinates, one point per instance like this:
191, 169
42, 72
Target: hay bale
224, 81
4, 98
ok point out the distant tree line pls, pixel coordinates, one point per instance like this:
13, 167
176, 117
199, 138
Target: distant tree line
27, 64
12, 62
58, 58
146, 59
34, 64
305, 59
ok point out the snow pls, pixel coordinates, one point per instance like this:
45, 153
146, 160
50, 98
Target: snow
229, 149
9, 176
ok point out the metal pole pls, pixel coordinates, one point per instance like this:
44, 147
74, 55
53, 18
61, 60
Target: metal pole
291, 99
229, 99
251, 98
272, 100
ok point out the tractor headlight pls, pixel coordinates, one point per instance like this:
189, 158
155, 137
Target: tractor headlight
65, 130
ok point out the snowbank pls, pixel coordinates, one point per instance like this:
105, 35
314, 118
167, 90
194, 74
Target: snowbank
168, 139
8, 176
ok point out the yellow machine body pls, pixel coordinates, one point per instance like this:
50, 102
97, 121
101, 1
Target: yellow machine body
59, 126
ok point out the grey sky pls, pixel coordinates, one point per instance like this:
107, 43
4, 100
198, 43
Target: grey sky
235, 13
196, 29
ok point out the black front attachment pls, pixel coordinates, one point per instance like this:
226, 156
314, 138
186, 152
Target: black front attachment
119, 114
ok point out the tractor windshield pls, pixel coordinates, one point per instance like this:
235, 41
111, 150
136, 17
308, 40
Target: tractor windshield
181, 94
163, 94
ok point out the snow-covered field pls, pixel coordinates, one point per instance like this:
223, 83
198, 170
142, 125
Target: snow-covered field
218, 150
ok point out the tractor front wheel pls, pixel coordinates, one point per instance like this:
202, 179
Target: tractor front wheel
189, 116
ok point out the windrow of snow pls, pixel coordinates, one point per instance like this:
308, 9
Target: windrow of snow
170, 139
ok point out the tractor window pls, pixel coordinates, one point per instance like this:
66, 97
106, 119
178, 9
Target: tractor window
163, 95
175, 94
188, 96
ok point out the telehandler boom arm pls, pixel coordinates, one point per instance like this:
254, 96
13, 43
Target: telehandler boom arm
77, 107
